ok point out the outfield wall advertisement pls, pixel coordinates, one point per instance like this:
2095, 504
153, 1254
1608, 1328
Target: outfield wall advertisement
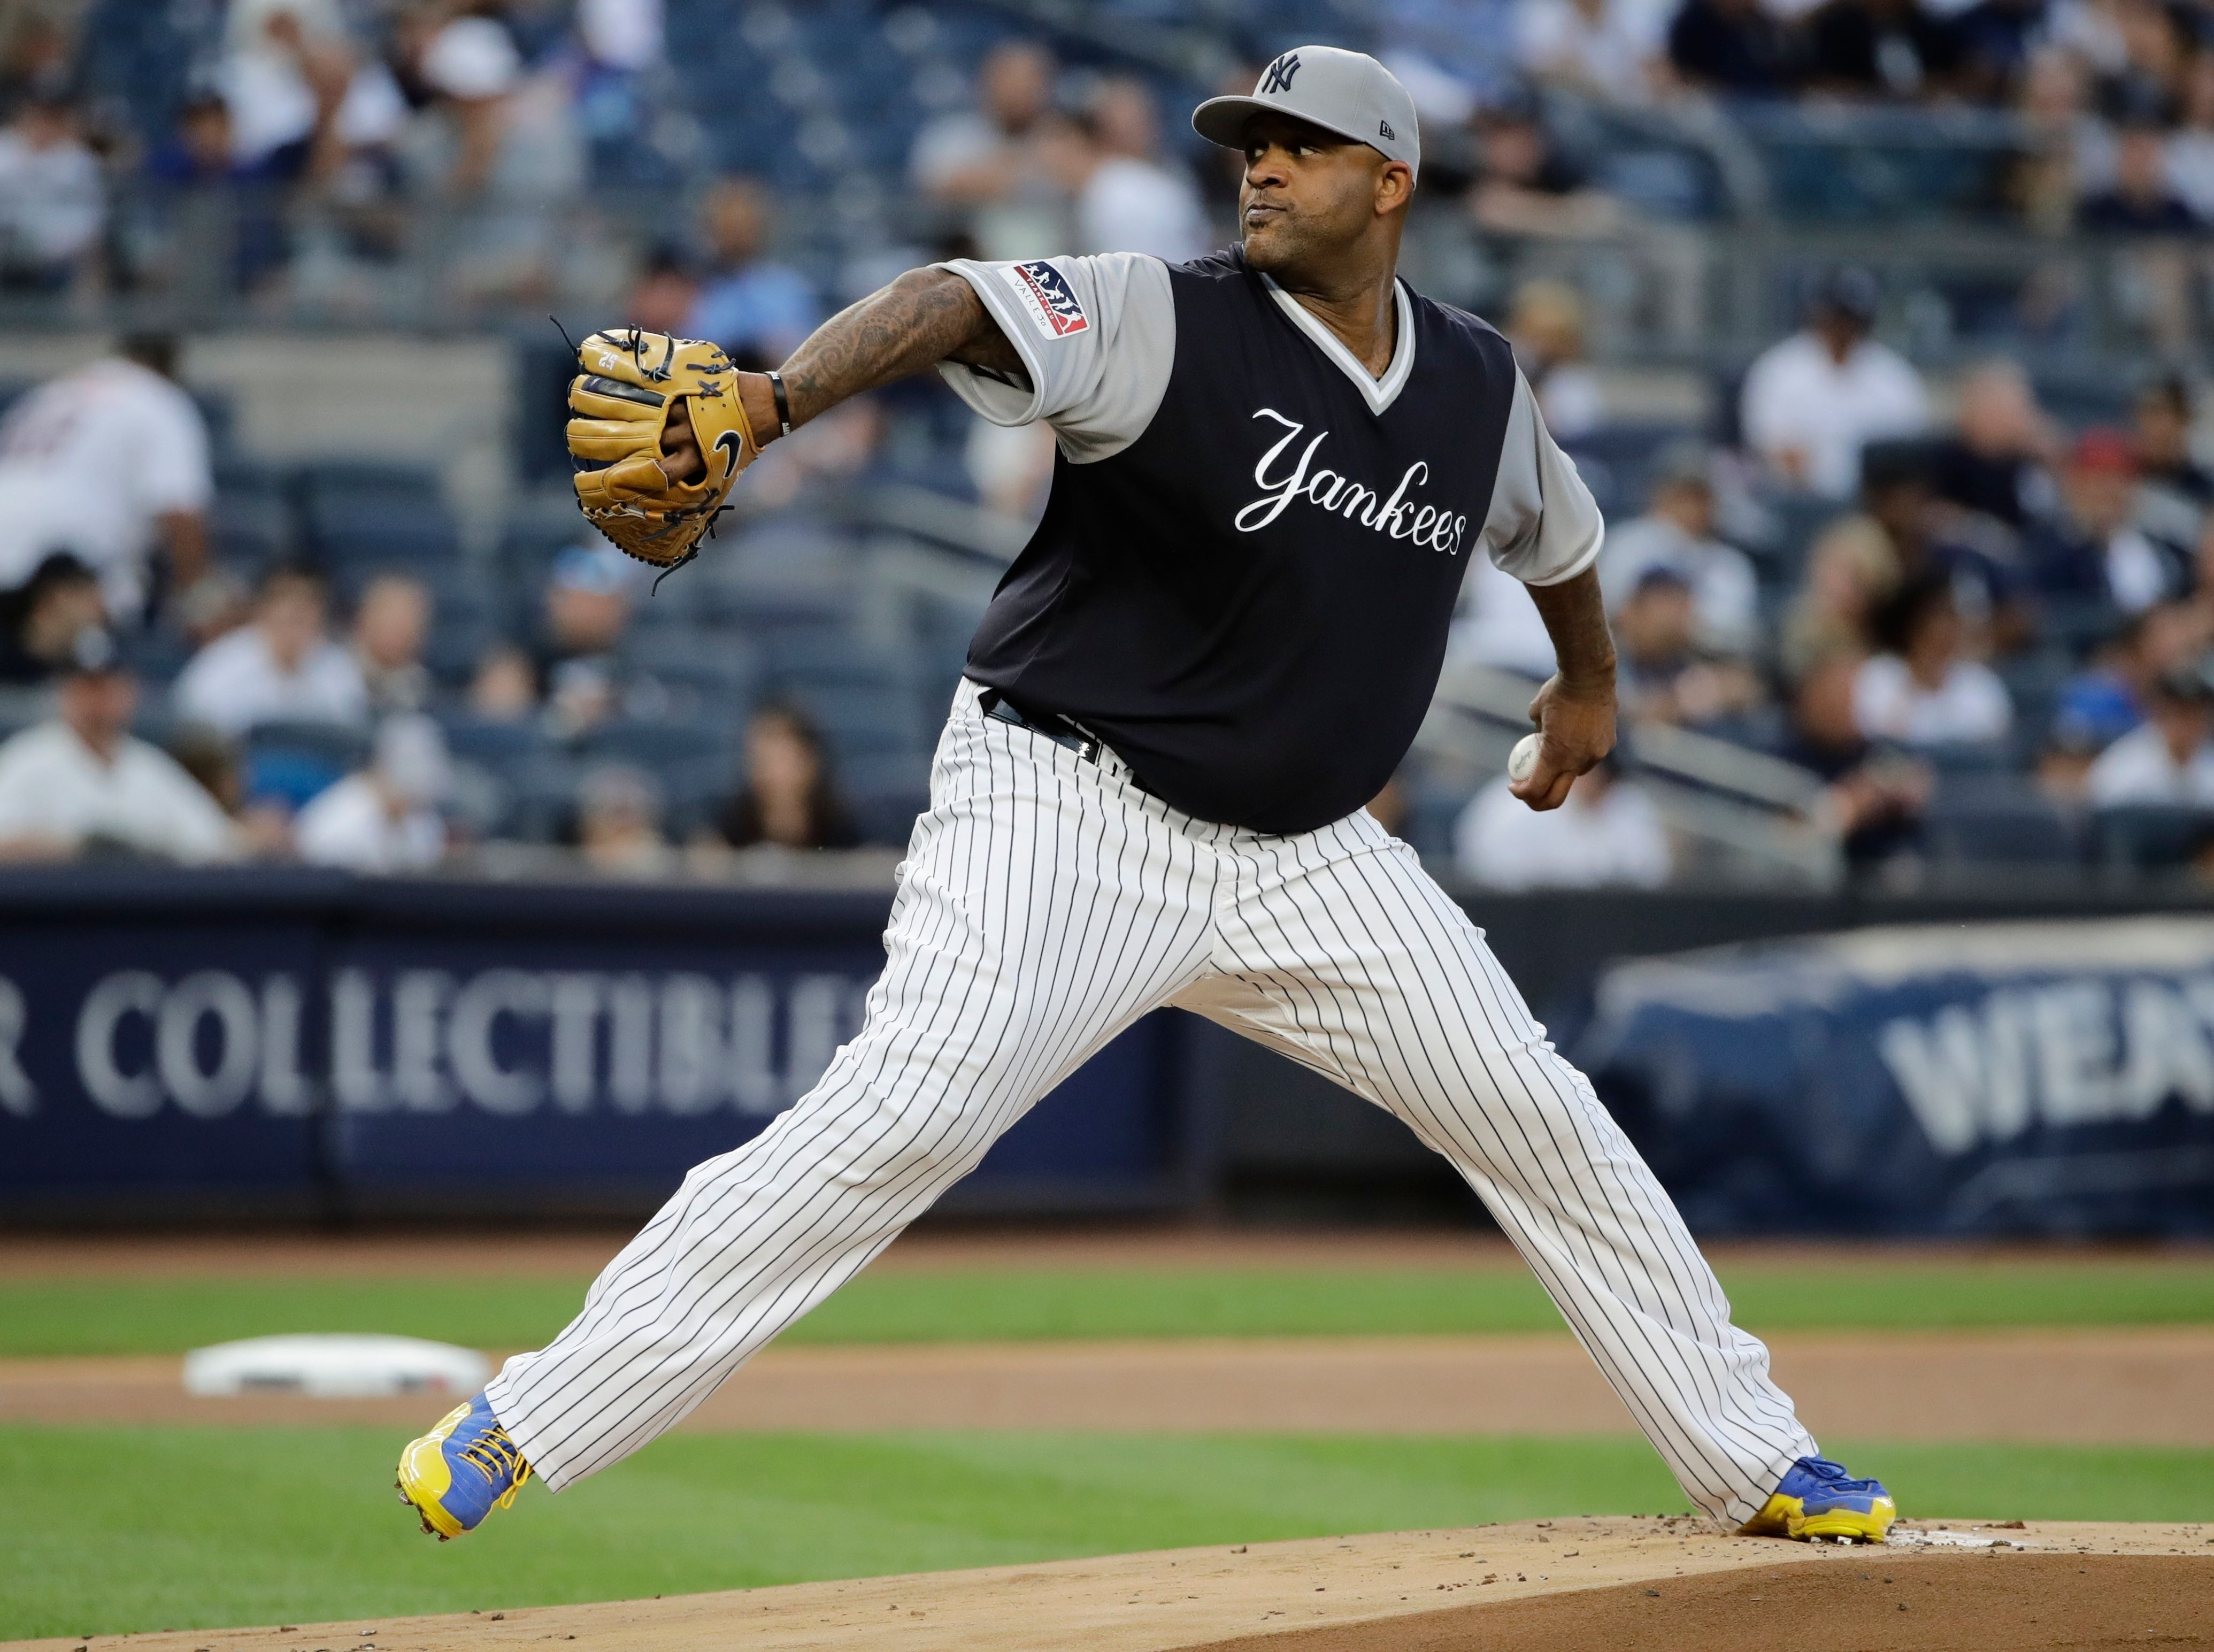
2041, 1077
358, 1046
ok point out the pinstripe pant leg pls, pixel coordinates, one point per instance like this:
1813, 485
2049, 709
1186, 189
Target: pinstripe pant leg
1043, 907
1339, 950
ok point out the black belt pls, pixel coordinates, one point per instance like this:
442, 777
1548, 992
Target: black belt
1051, 727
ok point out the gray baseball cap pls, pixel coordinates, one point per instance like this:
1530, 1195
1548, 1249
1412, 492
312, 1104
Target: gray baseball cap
1348, 93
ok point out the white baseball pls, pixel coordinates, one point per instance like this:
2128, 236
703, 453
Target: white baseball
1522, 762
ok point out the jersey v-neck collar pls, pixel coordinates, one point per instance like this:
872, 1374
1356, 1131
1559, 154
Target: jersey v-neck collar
1379, 393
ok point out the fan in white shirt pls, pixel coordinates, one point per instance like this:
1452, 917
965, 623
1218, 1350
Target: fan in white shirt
1130, 203
1676, 532
1608, 833
281, 668
83, 781
107, 463
386, 818
2168, 759
1924, 694
1814, 400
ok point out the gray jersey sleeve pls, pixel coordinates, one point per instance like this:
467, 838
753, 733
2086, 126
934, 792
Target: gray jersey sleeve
1544, 526
1096, 336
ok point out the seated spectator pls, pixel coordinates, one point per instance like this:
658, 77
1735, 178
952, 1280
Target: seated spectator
2106, 699
2191, 146
62, 489
1994, 38
1545, 323
263, 825
1851, 572
1497, 625
666, 294
1128, 200
1812, 401
1607, 49
1998, 461
1922, 691
983, 155
2170, 760
1875, 798
1663, 678
1929, 538
789, 797
386, 818
2138, 202
1736, 48
1676, 532
53, 207
587, 610
1525, 185
1001, 161
2093, 552
82, 785
43, 619
391, 623
756, 308
619, 824
202, 158
1608, 833
505, 687
281, 668
1881, 49
2174, 491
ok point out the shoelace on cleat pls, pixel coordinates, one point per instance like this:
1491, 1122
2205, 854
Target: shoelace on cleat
494, 1456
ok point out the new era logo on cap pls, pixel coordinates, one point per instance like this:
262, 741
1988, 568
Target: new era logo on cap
1384, 130
1277, 77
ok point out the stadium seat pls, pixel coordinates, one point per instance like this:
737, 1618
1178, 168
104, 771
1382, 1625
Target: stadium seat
653, 743
1998, 819
2149, 837
291, 762
885, 793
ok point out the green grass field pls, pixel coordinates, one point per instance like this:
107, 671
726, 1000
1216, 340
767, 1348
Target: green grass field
113, 1529
84, 1316
125, 1528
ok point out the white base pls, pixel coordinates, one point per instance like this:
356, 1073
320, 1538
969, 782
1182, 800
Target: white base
335, 1368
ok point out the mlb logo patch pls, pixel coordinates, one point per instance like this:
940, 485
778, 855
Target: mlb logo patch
1045, 292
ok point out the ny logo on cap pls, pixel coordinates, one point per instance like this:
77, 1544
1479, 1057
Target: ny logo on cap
1279, 78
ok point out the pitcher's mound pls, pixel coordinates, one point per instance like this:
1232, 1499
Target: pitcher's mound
1583, 1585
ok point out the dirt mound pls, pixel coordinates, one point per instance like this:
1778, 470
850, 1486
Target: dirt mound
1565, 1585
1940, 1603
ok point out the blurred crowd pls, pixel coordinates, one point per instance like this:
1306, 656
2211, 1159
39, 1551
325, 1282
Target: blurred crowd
296, 726
1976, 623
1987, 605
317, 141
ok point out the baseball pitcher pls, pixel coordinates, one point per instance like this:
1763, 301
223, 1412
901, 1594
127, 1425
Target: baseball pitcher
1275, 465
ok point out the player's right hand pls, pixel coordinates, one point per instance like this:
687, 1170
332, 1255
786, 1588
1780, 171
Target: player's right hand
1576, 725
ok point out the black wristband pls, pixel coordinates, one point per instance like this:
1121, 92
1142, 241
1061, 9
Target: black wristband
782, 402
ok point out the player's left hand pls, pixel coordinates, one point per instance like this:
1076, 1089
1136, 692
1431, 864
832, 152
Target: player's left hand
1576, 723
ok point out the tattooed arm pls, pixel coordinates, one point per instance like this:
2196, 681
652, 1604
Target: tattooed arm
1575, 711
925, 317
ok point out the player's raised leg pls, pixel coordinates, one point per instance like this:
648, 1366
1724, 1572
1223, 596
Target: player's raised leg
1340, 951
1045, 905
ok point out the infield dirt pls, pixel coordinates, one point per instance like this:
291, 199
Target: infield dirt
1594, 1585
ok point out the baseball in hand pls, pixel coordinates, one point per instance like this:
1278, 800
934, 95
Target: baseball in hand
1522, 762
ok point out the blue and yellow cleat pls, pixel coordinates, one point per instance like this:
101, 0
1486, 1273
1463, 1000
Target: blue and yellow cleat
463, 1470
1818, 1500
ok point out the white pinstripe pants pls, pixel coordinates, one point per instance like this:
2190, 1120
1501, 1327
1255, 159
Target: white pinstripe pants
1046, 903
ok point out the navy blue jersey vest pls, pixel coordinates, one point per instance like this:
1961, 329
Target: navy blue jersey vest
1249, 604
